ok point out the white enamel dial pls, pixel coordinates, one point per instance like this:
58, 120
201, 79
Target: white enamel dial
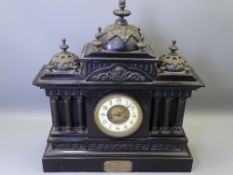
118, 115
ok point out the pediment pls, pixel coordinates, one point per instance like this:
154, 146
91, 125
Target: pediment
118, 73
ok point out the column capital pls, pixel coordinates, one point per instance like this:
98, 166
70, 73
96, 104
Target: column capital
80, 97
182, 99
54, 97
157, 99
168, 98
67, 98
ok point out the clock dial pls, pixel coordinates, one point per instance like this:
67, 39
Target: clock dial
118, 115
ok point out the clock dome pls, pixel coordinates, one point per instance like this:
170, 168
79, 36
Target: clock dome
120, 36
172, 61
64, 61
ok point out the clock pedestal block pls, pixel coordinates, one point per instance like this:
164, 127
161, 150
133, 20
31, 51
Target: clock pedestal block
124, 155
93, 162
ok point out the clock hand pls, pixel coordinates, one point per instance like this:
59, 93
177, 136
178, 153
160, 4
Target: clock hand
112, 115
119, 113
116, 115
125, 109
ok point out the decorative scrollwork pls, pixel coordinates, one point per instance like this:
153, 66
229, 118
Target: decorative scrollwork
118, 146
123, 32
119, 73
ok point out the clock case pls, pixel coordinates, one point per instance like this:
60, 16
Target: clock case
76, 86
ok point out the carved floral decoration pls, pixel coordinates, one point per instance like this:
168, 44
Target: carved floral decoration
119, 73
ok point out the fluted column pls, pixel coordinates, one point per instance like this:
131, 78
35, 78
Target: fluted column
167, 110
180, 111
54, 111
157, 101
81, 124
67, 107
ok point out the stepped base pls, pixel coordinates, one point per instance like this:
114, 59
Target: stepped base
93, 161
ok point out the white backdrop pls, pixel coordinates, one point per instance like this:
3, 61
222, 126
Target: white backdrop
30, 34
31, 30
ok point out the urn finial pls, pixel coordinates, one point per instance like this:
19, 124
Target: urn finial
64, 46
173, 61
97, 43
141, 45
173, 48
121, 13
122, 4
65, 60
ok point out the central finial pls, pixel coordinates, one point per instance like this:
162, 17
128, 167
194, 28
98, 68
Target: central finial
122, 12
122, 4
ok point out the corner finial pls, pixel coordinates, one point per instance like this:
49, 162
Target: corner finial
142, 45
99, 29
173, 48
97, 43
64, 46
99, 33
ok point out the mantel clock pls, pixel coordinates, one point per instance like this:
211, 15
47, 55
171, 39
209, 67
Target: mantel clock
117, 107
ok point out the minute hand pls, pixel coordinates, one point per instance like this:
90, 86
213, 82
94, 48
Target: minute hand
125, 109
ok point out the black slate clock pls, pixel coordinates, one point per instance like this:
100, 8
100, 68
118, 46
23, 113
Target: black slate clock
117, 108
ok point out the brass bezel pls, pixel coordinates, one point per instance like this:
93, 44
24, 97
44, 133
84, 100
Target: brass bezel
123, 133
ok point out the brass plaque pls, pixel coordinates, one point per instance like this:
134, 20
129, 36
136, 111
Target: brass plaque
118, 166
